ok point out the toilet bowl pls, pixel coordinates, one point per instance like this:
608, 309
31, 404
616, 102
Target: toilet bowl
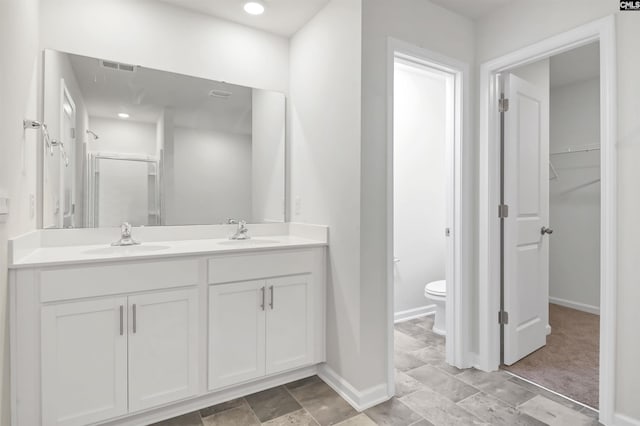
436, 292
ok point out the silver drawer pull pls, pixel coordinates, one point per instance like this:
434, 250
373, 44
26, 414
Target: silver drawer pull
121, 320
135, 318
271, 303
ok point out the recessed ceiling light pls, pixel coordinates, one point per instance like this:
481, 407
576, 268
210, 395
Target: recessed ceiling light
123, 115
254, 8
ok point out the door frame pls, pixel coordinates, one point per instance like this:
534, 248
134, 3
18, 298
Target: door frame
458, 309
602, 30
69, 148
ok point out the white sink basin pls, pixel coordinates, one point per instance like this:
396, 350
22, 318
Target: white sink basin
250, 242
126, 250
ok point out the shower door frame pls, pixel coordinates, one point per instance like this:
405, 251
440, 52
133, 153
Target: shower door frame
92, 206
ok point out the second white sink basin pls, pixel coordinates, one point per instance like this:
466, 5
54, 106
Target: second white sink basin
124, 250
249, 242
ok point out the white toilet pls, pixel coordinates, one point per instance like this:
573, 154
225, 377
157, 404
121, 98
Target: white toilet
436, 291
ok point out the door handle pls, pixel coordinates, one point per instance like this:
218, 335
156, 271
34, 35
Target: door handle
263, 298
121, 320
271, 303
135, 318
545, 230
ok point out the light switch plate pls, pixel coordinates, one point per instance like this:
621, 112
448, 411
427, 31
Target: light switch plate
4, 209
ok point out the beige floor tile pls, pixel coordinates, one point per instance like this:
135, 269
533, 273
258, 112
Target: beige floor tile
553, 413
439, 410
240, 416
297, 418
359, 420
393, 413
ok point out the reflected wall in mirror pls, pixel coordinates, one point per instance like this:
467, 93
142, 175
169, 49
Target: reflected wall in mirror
156, 148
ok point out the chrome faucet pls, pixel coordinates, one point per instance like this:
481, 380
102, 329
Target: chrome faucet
125, 236
241, 232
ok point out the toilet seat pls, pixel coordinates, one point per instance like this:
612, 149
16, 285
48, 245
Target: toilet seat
436, 288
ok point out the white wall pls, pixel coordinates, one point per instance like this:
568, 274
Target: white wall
211, 163
420, 209
324, 120
268, 156
161, 36
522, 22
429, 26
19, 80
123, 136
574, 267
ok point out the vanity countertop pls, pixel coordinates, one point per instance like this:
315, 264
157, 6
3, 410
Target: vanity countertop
43, 255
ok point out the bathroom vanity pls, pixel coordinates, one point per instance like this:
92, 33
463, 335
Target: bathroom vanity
187, 319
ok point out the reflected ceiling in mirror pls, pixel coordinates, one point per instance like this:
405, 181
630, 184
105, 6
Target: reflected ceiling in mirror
157, 148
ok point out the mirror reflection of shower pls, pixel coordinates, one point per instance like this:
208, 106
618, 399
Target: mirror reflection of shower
93, 134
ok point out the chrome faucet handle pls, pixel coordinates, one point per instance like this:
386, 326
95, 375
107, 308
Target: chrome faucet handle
241, 232
231, 221
125, 230
125, 236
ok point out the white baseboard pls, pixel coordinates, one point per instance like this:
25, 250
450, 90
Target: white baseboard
360, 400
422, 311
622, 420
575, 305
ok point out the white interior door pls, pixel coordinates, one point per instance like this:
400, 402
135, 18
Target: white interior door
290, 325
163, 348
84, 361
526, 192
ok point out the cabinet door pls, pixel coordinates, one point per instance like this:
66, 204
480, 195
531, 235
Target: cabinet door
236, 333
163, 347
290, 327
84, 361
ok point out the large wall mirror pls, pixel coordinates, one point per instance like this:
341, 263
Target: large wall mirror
156, 148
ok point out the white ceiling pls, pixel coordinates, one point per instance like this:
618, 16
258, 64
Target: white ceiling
576, 65
283, 17
473, 9
146, 93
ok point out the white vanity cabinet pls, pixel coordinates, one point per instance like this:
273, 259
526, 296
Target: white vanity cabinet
290, 325
84, 361
136, 341
260, 327
266, 315
163, 347
97, 352
236, 333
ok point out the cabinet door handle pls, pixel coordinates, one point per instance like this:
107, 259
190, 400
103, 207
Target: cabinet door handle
271, 303
135, 318
121, 320
263, 297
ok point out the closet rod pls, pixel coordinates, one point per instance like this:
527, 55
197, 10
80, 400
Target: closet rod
574, 150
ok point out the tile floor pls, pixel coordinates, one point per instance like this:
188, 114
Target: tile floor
428, 392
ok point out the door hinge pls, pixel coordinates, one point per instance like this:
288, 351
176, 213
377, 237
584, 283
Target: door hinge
503, 211
503, 317
503, 105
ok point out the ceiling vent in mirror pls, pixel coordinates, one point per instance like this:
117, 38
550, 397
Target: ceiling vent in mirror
216, 93
117, 66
